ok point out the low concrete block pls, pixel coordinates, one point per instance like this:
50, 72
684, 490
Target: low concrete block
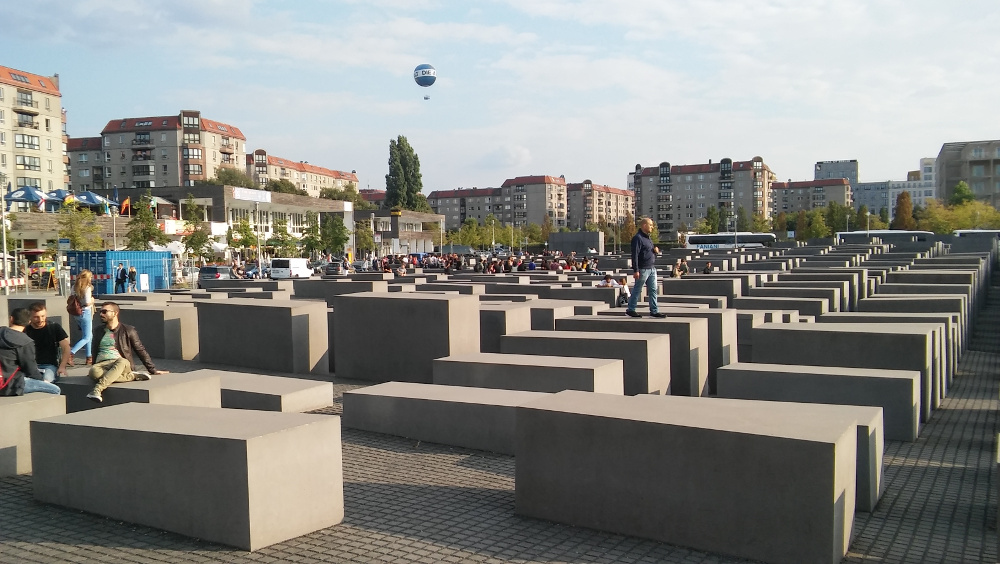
531, 373
167, 331
897, 392
760, 480
478, 418
496, 320
270, 393
805, 306
187, 388
16, 412
222, 475
646, 368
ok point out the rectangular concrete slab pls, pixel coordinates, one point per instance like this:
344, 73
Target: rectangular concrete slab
16, 412
496, 320
270, 393
222, 475
190, 389
531, 373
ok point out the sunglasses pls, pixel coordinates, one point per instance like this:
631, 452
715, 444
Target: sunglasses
108, 311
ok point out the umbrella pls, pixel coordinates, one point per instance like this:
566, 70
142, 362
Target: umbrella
90, 199
26, 194
58, 195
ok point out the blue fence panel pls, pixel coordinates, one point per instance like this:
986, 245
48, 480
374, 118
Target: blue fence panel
156, 264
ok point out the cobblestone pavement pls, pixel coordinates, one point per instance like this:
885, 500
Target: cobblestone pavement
416, 502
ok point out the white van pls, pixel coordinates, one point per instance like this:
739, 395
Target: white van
290, 268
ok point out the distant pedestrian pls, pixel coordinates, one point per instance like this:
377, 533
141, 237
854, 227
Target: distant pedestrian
707, 269
132, 276
644, 269
121, 276
84, 292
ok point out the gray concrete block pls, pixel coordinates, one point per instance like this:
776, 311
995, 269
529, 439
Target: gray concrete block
842, 287
688, 345
420, 327
221, 475
16, 412
496, 320
760, 480
831, 295
805, 306
241, 390
708, 285
646, 368
184, 388
477, 418
279, 336
531, 373
897, 392
167, 330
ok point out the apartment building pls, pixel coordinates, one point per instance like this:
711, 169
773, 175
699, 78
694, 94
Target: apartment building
837, 169
675, 196
873, 195
793, 197
147, 152
596, 203
518, 201
32, 123
977, 163
373, 196
263, 168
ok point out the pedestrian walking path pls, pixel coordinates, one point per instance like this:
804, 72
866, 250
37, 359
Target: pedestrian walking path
415, 502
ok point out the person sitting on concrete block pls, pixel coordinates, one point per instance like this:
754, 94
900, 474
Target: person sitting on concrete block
50, 338
114, 361
19, 374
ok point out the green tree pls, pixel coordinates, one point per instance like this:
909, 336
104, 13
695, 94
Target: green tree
284, 186
863, 218
883, 215
363, 238
702, 227
546, 228
404, 181
143, 229
711, 220
241, 235
229, 177
936, 218
903, 216
801, 226
312, 238
79, 225
628, 228
742, 221
335, 234
198, 241
533, 232
420, 204
975, 215
349, 195
961, 194
760, 224
817, 228
780, 226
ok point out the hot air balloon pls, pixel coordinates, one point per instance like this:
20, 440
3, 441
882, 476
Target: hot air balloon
424, 75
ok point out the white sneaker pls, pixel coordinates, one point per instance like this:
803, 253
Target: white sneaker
142, 376
96, 396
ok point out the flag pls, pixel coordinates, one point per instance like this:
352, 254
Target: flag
69, 199
107, 209
127, 205
116, 193
41, 204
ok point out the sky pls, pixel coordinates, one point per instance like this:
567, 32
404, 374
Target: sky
586, 89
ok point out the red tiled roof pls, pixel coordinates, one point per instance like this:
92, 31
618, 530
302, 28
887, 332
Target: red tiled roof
156, 123
313, 169
533, 180
83, 143
577, 186
464, 193
35, 82
372, 195
810, 183
221, 128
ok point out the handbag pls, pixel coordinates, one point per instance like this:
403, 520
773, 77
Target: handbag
73, 306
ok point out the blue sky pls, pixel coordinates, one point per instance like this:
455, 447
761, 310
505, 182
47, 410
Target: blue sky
585, 89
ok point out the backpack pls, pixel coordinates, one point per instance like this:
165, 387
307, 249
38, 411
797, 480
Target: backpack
73, 306
11, 386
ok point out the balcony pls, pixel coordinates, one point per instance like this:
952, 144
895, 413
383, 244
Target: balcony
227, 148
143, 157
142, 142
28, 124
27, 106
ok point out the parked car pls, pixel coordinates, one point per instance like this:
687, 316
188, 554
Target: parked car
213, 273
39, 266
361, 265
335, 268
319, 266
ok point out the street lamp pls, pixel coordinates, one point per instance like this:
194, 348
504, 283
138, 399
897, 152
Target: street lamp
3, 234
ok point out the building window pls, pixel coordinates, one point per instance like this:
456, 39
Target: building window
979, 170
82, 158
192, 138
188, 153
190, 121
33, 182
978, 153
27, 163
84, 173
192, 169
163, 137
25, 141
164, 169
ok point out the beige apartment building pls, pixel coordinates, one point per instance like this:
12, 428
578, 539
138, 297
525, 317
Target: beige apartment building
518, 201
596, 203
792, 197
676, 196
262, 168
977, 163
32, 149
148, 152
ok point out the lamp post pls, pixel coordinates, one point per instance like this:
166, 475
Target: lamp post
256, 225
3, 234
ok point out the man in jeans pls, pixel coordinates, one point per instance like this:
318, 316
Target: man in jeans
644, 270
114, 362
50, 339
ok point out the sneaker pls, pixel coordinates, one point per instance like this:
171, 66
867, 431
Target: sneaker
96, 396
632, 313
658, 315
142, 376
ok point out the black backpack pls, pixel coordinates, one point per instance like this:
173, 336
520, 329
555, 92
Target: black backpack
11, 385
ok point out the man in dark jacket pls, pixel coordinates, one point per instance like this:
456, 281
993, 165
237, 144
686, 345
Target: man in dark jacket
121, 276
644, 270
17, 352
114, 360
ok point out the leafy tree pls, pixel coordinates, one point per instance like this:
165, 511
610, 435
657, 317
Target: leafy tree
284, 243
420, 204
241, 235
817, 228
592, 227
79, 225
312, 239
725, 219
760, 224
702, 227
937, 218
975, 215
961, 194
346, 194
801, 226
711, 221
628, 228
363, 238
533, 232
903, 216
863, 218
229, 177
404, 181
199, 241
143, 229
546, 228
284, 186
742, 221
883, 215
335, 234
780, 226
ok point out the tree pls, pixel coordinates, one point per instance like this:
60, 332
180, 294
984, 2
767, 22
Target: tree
961, 194
363, 238
801, 226
975, 215
349, 195
711, 221
198, 241
403, 182
883, 215
284, 187
937, 218
241, 235
143, 229
79, 225
702, 227
903, 216
533, 232
742, 221
780, 226
229, 177
312, 238
546, 228
420, 204
817, 228
760, 224
628, 228
335, 234
863, 217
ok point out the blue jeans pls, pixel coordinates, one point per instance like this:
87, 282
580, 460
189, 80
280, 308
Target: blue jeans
31, 385
85, 323
50, 372
647, 278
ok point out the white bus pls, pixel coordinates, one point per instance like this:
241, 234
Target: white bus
887, 235
977, 233
729, 240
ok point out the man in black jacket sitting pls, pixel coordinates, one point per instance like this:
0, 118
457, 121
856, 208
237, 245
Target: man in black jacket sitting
20, 373
113, 361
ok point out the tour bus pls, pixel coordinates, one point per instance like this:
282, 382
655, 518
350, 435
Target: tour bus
290, 268
729, 240
977, 233
887, 235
